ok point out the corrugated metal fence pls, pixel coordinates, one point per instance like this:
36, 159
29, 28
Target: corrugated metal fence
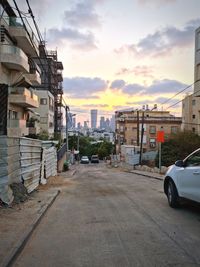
21, 162
30, 159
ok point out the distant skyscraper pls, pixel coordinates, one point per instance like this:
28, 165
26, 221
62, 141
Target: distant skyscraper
85, 124
102, 123
74, 122
112, 123
93, 118
79, 125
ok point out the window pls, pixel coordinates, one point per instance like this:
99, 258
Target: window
193, 102
125, 128
43, 101
193, 130
152, 129
198, 71
193, 116
193, 160
174, 129
152, 142
50, 124
13, 115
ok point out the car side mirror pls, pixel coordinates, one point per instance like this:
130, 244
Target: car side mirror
179, 163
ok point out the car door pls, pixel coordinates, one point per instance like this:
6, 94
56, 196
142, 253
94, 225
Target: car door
189, 177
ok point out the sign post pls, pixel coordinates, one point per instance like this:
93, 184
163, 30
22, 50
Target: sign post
160, 140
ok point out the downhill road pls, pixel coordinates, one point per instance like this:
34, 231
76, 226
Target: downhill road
110, 218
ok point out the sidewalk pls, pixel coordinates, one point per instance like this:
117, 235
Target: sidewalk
18, 222
149, 174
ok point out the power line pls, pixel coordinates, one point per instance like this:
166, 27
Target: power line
177, 93
182, 100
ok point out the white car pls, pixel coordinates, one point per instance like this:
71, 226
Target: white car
182, 180
85, 160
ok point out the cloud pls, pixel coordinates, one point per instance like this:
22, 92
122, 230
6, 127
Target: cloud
80, 19
156, 2
117, 84
83, 15
37, 7
133, 89
165, 86
76, 39
144, 71
82, 87
163, 41
95, 105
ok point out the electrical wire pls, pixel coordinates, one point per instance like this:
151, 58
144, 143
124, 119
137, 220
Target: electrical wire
177, 93
182, 100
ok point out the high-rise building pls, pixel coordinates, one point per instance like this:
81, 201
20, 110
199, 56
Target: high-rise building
93, 118
102, 123
112, 123
74, 122
191, 103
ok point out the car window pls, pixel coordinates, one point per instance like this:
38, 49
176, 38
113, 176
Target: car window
193, 160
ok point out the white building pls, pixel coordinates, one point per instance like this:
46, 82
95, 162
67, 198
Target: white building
46, 111
191, 103
18, 72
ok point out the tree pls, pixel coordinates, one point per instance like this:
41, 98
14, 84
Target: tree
178, 147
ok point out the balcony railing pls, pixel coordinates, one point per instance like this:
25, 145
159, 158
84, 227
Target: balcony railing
14, 58
17, 22
16, 123
13, 50
23, 97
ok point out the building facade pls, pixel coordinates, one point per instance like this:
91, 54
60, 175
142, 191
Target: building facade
46, 112
19, 74
191, 103
93, 113
129, 127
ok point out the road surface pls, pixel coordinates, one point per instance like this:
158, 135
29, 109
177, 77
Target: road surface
110, 218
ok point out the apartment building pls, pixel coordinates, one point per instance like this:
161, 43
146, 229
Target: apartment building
191, 103
18, 72
52, 79
44, 113
129, 127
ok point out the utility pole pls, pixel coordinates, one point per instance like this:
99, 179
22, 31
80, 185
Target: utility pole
78, 145
138, 128
66, 114
142, 134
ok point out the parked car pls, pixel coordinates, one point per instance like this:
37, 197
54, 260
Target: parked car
85, 160
94, 159
182, 180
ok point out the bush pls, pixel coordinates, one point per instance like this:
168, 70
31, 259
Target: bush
66, 166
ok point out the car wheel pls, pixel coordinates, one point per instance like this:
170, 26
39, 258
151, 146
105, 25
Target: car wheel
172, 195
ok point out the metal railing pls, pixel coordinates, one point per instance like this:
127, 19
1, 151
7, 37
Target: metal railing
17, 22
13, 50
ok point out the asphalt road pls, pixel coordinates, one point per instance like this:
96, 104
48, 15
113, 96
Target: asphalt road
111, 218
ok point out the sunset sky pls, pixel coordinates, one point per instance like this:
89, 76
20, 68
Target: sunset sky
120, 54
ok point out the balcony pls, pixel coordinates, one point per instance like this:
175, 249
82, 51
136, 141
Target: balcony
26, 41
17, 128
14, 58
34, 78
23, 97
34, 127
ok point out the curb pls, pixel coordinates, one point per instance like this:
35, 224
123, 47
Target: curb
146, 175
9, 261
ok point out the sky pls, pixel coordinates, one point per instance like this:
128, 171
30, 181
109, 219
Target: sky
121, 54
